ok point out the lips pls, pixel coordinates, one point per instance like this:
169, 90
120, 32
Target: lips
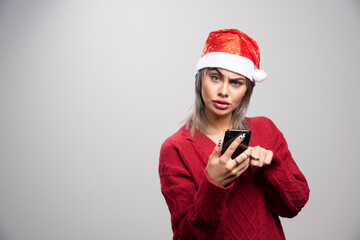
220, 104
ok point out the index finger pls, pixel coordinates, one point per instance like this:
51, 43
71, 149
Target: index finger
232, 147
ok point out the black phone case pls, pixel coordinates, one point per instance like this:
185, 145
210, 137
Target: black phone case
230, 136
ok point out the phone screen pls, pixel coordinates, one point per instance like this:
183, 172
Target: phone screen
230, 136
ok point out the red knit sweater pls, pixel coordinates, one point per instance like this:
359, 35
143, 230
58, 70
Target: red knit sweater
247, 209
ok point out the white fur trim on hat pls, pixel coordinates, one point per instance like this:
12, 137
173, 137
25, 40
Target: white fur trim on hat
259, 75
231, 62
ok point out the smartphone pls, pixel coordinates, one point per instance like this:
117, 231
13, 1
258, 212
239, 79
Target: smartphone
231, 135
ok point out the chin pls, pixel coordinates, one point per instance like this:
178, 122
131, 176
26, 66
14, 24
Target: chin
222, 113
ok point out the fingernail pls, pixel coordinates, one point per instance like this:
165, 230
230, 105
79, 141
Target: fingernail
219, 143
242, 136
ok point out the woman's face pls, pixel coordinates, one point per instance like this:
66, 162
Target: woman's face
222, 91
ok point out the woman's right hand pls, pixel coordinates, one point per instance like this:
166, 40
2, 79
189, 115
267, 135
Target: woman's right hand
222, 170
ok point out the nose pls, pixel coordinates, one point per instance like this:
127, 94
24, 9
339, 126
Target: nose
224, 90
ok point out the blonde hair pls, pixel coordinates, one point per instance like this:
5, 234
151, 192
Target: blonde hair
197, 119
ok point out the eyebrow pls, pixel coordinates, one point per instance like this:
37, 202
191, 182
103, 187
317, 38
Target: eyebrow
217, 70
231, 79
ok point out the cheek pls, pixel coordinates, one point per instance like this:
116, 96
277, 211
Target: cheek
206, 91
239, 96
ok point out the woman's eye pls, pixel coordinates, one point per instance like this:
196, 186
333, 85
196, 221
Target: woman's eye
215, 78
236, 83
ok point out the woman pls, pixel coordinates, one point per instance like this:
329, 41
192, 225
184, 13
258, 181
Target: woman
212, 196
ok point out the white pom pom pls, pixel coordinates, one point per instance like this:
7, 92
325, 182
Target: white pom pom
259, 75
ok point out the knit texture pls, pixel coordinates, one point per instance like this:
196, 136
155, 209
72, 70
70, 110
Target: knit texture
247, 209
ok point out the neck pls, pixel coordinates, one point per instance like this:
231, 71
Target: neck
218, 125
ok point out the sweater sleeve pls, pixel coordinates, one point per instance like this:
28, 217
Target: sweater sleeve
195, 212
286, 189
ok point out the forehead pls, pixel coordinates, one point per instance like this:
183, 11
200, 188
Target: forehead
227, 73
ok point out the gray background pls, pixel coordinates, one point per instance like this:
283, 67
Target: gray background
90, 89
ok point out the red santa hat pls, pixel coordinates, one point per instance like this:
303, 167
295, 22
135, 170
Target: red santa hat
233, 50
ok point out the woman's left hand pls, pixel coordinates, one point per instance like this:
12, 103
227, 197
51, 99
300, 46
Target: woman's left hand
260, 157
